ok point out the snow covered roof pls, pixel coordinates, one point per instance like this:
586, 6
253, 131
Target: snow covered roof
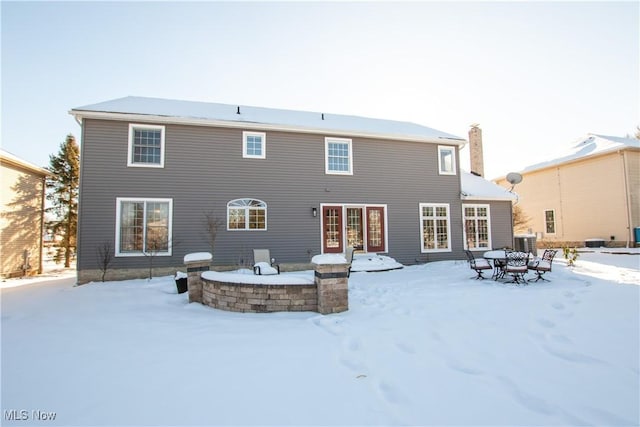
206, 113
477, 188
588, 146
9, 158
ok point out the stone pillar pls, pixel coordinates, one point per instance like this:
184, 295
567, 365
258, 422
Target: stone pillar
332, 282
196, 263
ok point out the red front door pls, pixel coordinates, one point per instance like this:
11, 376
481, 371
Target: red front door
332, 229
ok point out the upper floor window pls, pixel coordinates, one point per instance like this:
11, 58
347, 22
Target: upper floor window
254, 145
338, 156
477, 234
143, 226
146, 146
446, 160
246, 214
550, 221
435, 227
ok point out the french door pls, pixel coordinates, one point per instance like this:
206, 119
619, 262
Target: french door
361, 227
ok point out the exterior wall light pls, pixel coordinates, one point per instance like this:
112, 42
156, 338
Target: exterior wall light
314, 212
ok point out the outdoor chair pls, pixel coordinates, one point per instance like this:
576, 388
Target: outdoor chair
516, 266
349, 257
263, 264
500, 264
478, 264
542, 265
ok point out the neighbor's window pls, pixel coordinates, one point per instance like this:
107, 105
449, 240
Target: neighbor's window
143, 226
477, 233
550, 221
246, 214
338, 156
146, 146
254, 145
435, 227
447, 160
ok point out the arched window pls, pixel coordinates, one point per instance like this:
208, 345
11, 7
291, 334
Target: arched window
246, 214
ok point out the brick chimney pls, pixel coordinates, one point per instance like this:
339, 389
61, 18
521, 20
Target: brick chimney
475, 150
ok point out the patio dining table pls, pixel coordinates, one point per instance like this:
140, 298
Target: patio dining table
499, 258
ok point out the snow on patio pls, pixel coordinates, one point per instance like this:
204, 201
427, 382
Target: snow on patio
424, 345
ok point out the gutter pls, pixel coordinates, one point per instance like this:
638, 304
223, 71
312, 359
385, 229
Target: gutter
148, 118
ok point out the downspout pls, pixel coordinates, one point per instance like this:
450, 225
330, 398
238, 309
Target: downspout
627, 195
42, 208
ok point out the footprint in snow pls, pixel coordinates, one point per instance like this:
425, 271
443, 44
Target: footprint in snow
390, 394
406, 348
546, 323
330, 324
558, 306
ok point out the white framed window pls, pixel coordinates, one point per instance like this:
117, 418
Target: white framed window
146, 146
338, 156
435, 227
446, 160
477, 226
143, 226
246, 214
550, 221
254, 145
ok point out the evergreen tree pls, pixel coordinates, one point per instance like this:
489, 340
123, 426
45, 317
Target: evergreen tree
63, 194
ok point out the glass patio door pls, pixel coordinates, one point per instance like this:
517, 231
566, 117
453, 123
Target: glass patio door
332, 229
355, 229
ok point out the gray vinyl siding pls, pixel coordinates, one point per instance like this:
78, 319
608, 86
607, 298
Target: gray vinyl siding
204, 170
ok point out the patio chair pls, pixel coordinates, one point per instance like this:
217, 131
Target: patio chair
349, 257
263, 264
478, 264
542, 265
516, 266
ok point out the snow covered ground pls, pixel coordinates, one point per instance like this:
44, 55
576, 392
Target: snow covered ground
424, 345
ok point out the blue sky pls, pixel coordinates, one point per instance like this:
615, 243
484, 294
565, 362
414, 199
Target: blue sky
535, 75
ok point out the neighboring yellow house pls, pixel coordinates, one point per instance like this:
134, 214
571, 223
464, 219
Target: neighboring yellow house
593, 192
22, 186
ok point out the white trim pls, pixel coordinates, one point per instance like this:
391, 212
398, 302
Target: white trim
327, 141
442, 148
544, 222
119, 201
262, 135
102, 115
421, 218
132, 127
464, 228
246, 208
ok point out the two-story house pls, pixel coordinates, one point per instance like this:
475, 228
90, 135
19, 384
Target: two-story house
298, 183
591, 191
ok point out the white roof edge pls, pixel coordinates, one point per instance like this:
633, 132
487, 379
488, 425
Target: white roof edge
80, 114
490, 199
7, 157
569, 158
